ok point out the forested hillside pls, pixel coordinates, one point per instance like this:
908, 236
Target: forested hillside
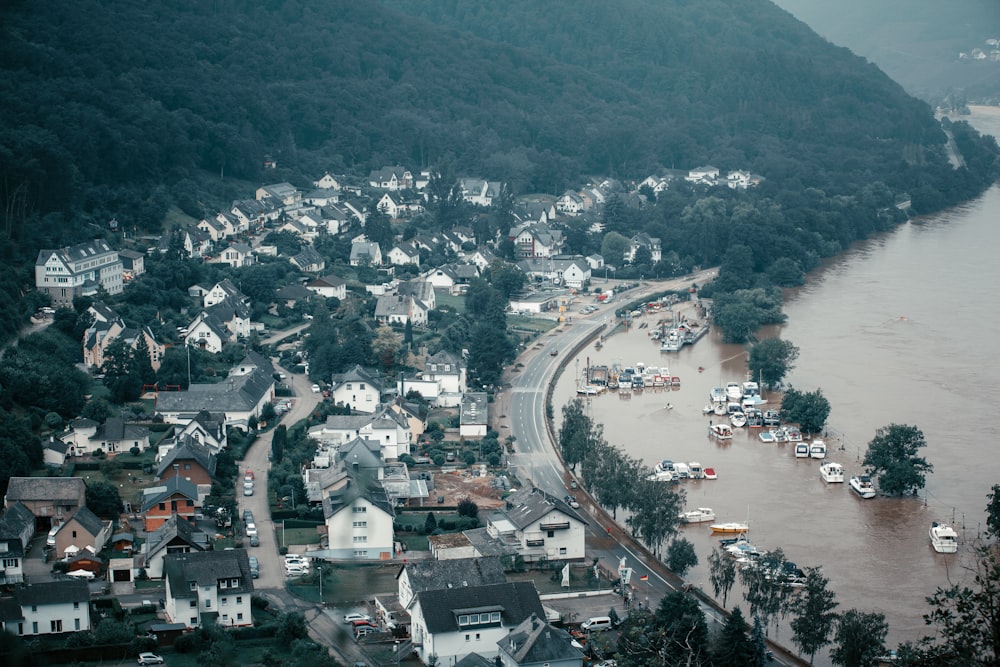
124, 108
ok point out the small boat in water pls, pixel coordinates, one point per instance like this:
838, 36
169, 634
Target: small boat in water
697, 471
944, 539
717, 395
720, 410
698, 515
862, 485
732, 527
779, 435
721, 431
738, 419
711, 474
766, 436
734, 392
817, 449
793, 434
802, 451
832, 473
588, 389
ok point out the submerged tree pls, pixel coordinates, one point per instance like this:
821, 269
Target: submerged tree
892, 456
722, 573
771, 359
814, 614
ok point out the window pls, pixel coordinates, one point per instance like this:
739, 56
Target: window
361, 386
74, 534
187, 466
360, 553
463, 619
76, 624
466, 637
34, 608
56, 625
208, 603
233, 583
477, 637
225, 600
562, 551
194, 622
34, 627
495, 617
239, 599
239, 616
360, 524
193, 585
360, 539
194, 603
10, 562
163, 507
349, 386
551, 533
76, 605
360, 509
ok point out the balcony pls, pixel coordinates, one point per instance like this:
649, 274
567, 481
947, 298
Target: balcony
563, 525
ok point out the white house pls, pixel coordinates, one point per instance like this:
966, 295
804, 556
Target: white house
387, 427
47, 608
327, 182
357, 388
448, 371
539, 525
644, 240
535, 643
358, 518
707, 175
365, 253
204, 588
17, 527
399, 309
78, 270
328, 286
221, 291
570, 203
451, 623
404, 253
241, 397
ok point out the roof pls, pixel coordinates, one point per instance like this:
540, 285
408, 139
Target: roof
427, 575
172, 530
474, 409
14, 520
475, 660
175, 484
515, 601
351, 492
207, 568
10, 610
527, 506
87, 520
53, 592
189, 450
116, 430
535, 641
45, 488
357, 374
238, 393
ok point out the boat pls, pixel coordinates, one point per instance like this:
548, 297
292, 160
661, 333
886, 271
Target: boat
766, 436
944, 539
720, 410
698, 515
588, 390
862, 485
708, 409
755, 418
817, 449
717, 395
794, 434
750, 389
734, 392
682, 470
666, 465
802, 451
779, 435
697, 472
662, 476
711, 474
721, 431
731, 527
675, 381
772, 418
832, 473
738, 419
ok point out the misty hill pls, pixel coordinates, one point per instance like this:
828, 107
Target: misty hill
916, 42
123, 108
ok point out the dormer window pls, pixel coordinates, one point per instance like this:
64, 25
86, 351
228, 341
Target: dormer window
193, 585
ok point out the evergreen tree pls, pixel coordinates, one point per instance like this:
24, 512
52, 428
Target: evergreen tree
430, 525
733, 645
814, 614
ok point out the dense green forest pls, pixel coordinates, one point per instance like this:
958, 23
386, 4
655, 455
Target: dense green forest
127, 110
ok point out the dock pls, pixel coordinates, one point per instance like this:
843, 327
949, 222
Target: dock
690, 337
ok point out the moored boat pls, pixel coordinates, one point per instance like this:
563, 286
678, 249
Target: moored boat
802, 451
738, 419
944, 539
766, 436
697, 471
698, 515
817, 449
793, 434
832, 473
731, 527
779, 435
734, 392
721, 431
863, 486
717, 395
711, 474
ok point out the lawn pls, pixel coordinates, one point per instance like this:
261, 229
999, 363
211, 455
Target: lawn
524, 323
347, 585
456, 302
290, 536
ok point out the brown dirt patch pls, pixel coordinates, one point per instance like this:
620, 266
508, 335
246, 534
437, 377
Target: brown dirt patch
460, 484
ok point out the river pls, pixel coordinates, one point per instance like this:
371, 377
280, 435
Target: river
895, 331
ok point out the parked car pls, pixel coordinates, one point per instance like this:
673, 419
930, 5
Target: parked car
254, 567
315, 388
250, 529
295, 559
254, 541
571, 501
150, 659
296, 570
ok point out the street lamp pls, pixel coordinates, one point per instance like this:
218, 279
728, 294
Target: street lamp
396, 649
319, 571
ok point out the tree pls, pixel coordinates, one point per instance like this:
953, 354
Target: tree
613, 248
722, 573
575, 434
859, 638
104, 500
386, 346
771, 360
993, 513
809, 410
814, 614
291, 626
768, 590
468, 507
892, 455
681, 556
431, 524
655, 507
683, 630
733, 646
967, 618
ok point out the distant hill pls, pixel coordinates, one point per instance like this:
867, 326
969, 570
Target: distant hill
916, 42
122, 108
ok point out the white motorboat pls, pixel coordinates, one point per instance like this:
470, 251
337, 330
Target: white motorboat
750, 389
708, 409
682, 470
863, 486
662, 476
698, 515
588, 389
802, 451
944, 539
717, 395
666, 465
734, 392
817, 449
697, 471
779, 434
832, 473
738, 419
721, 431
720, 410
766, 436
793, 434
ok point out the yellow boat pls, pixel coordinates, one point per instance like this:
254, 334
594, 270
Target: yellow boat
734, 527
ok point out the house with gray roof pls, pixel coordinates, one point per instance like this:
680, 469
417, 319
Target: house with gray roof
47, 608
358, 517
358, 388
174, 497
83, 530
191, 460
365, 253
399, 309
540, 525
240, 397
308, 260
175, 536
452, 622
205, 588
17, 526
535, 643
289, 295
50, 499
117, 435
416, 576
385, 426
79, 270
537, 239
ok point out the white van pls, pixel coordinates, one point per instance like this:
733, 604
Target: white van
50, 540
596, 624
